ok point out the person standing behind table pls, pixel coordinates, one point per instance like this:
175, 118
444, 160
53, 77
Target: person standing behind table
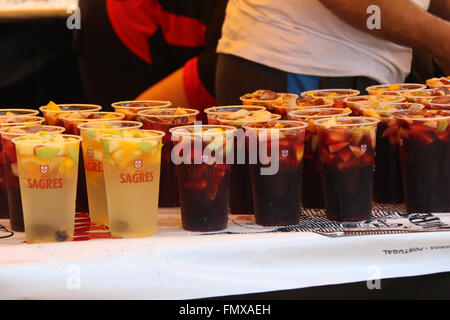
294, 46
149, 49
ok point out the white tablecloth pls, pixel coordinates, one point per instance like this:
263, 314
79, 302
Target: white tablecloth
176, 264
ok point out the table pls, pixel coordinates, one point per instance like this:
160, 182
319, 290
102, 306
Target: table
244, 259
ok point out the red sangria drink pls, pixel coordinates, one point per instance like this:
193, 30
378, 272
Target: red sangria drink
52, 111
311, 102
312, 190
276, 170
442, 82
214, 112
163, 120
440, 103
241, 201
11, 171
426, 96
131, 108
388, 183
8, 120
403, 88
358, 102
201, 154
266, 98
283, 105
347, 150
70, 122
334, 96
425, 157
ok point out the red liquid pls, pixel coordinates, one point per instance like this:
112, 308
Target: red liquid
425, 157
13, 187
277, 197
312, 193
241, 200
347, 172
3, 197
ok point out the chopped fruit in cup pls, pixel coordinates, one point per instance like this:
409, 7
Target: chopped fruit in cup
131, 108
395, 87
347, 151
443, 82
440, 103
214, 112
425, 156
266, 98
70, 121
277, 173
357, 102
284, 104
312, 193
132, 160
47, 169
52, 111
18, 112
10, 167
310, 101
164, 120
388, 185
241, 201
334, 96
203, 175
93, 156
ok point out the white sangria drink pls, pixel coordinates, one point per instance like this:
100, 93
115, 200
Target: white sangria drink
48, 167
93, 165
132, 162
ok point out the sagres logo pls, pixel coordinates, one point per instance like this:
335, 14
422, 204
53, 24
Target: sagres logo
138, 164
44, 169
90, 153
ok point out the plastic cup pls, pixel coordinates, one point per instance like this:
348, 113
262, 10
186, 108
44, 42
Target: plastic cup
241, 198
11, 171
163, 120
214, 112
48, 180
442, 82
276, 174
440, 103
131, 108
19, 112
357, 102
425, 159
5, 122
132, 169
312, 191
71, 123
347, 150
334, 96
254, 99
395, 87
93, 165
203, 175
51, 116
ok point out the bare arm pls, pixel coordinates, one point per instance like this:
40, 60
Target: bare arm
171, 86
402, 22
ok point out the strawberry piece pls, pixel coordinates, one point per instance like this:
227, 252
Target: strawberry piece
337, 146
357, 151
390, 131
345, 154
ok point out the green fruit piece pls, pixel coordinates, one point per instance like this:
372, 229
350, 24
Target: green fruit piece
215, 144
74, 152
47, 136
46, 152
146, 146
314, 142
90, 134
105, 146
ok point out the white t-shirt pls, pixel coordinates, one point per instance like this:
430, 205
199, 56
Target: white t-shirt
303, 36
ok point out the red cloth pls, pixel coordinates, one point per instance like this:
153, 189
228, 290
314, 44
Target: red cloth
196, 94
135, 21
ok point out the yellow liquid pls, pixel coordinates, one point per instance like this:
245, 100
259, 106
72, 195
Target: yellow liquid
132, 206
48, 199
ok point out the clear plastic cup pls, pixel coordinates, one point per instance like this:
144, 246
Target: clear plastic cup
131, 108
214, 112
51, 115
93, 164
48, 180
132, 161
394, 87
